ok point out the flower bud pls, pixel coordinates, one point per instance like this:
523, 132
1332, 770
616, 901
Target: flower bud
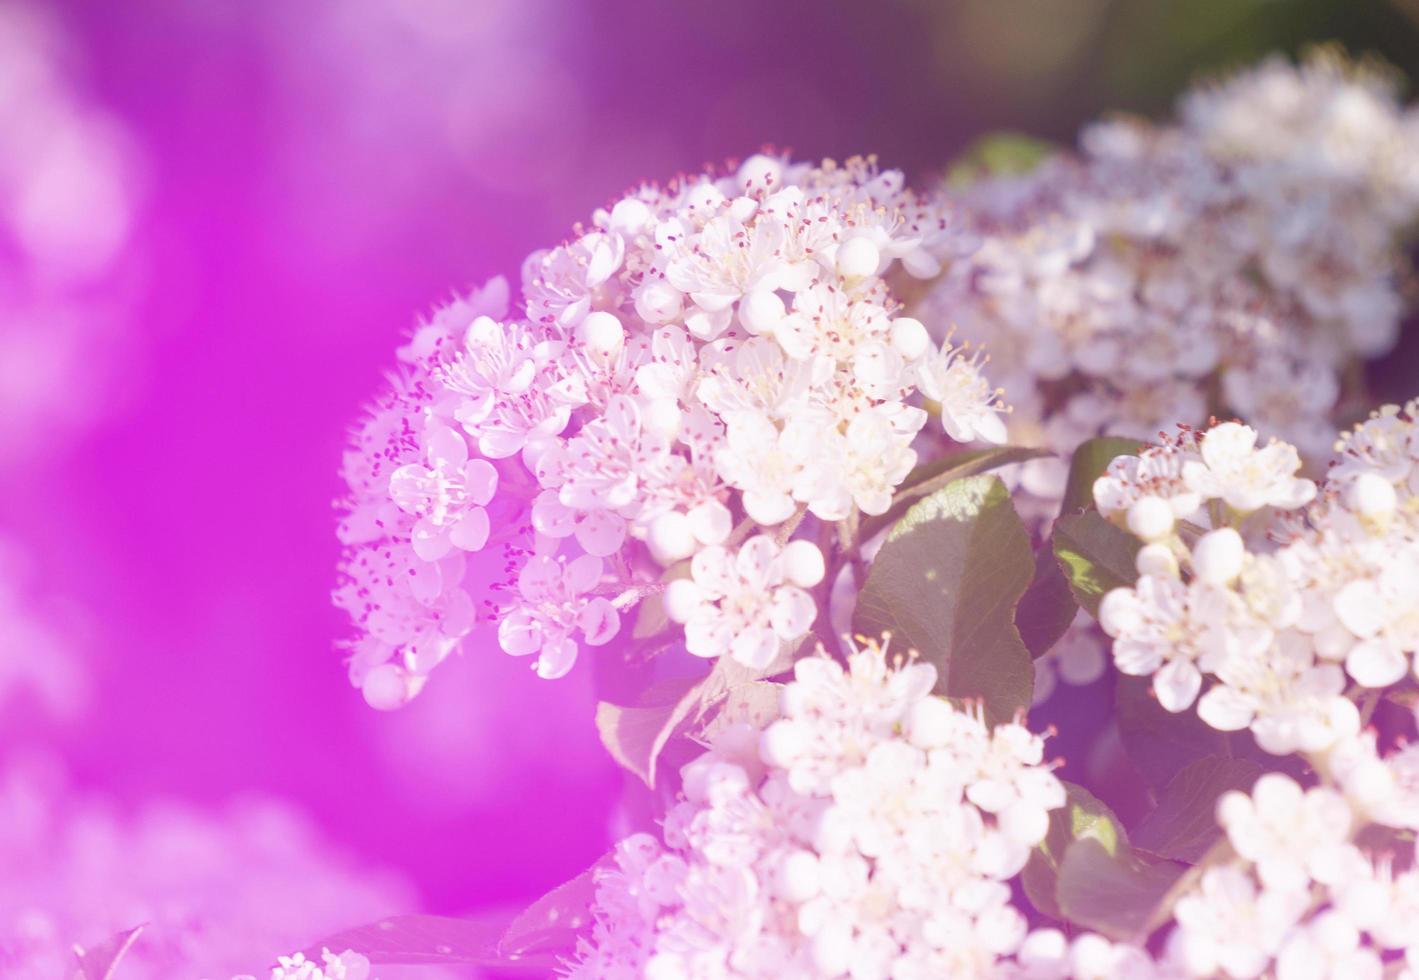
781, 743
1151, 518
909, 337
681, 598
858, 257
602, 334
797, 880
658, 302
761, 311
386, 687
671, 538
1218, 555
803, 563
1371, 496
1156, 561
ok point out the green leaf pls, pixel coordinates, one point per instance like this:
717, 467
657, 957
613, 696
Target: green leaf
930, 477
1095, 557
946, 583
1047, 607
1183, 826
1159, 743
999, 154
98, 962
635, 736
1083, 816
1089, 462
1115, 893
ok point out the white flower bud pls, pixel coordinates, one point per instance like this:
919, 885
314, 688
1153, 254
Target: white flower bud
781, 744
681, 598
1157, 561
798, 879
602, 334
858, 257
760, 171
630, 216
1151, 518
930, 723
761, 311
670, 538
1218, 555
658, 302
711, 522
803, 564
909, 337
1372, 496
386, 687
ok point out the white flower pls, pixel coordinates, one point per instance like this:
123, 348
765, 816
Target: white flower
970, 408
1174, 632
742, 604
553, 606
348, 965
860, 467
1292, 836
1229, 925
447, 496
1233, 470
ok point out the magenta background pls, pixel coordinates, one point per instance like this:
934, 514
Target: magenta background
282, 254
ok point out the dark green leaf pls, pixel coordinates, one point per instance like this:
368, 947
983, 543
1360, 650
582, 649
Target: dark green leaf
1159, 743
1184, 824
1047, 607
999, 154
1083, 816
946, 584
1095, 557
98, 962
1089, 462
930, 477
1117, 893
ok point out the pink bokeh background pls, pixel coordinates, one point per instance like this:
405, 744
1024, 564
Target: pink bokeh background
310, 178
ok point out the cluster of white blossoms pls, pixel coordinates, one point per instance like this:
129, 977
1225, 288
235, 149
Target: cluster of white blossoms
1275, 590
348, 965
1295, 897
872, 830
1238, 262
698, 371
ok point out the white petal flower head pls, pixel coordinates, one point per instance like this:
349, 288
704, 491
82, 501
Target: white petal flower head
1293, 836
971, 408
745, 604
1234, 470
348, 965
552, 607
447, 496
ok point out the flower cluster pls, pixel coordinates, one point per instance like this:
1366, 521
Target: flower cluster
871, 830
1274, 589
701, 369
348, 965
1237, 262
219, 892
1297, 898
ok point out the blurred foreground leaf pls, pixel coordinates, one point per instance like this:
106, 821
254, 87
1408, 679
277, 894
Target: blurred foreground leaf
1083, 816
98, 962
